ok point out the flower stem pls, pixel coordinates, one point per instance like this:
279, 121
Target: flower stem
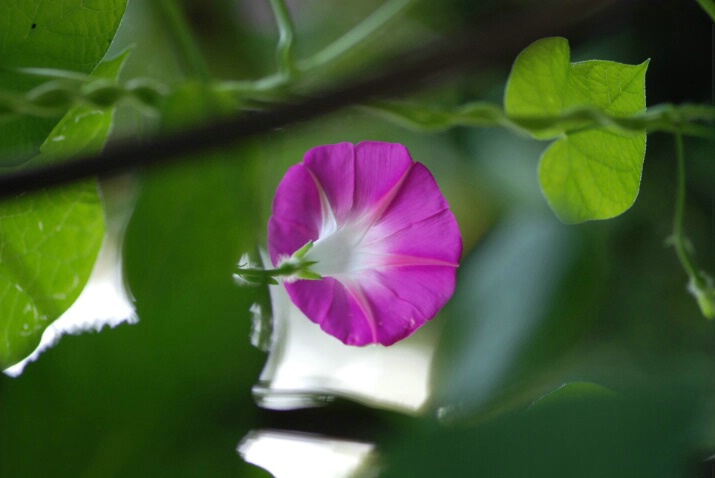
193, 61
265, 273
289, 268
284, 50
699, 284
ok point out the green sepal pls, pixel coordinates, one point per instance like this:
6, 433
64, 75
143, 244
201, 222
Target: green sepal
704, 293
308, 275
300, 253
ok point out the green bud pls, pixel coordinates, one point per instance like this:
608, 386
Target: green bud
704, 293
308, 275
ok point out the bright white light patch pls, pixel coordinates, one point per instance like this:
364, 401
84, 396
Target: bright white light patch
295, 455
306, 366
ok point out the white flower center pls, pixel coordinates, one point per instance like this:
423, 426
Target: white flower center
341, 252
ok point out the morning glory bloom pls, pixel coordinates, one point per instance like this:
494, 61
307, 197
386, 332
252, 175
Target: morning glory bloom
385, 246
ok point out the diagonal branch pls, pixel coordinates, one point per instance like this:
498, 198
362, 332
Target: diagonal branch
494, 42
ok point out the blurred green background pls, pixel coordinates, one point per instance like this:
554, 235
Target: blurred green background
539, 304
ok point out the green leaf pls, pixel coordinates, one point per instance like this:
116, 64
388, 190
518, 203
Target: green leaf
538, 80
50, 239
65, 34
586, 174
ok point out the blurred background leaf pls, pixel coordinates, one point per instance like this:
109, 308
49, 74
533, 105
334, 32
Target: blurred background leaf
585, 434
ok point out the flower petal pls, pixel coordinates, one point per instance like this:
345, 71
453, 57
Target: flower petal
379, 167
418, 222
333, 167
404, 298
297, 202
379, 307
331, 305
287, 237
355, 178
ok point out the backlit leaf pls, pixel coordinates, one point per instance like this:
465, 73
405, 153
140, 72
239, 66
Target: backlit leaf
586, 174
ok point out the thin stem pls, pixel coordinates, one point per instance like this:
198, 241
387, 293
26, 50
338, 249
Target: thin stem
669, 118
186, 45
679, 240
364, 30
289, 68
284, 50
700, 285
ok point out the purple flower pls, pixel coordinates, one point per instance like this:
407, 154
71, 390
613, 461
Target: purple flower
385, 243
